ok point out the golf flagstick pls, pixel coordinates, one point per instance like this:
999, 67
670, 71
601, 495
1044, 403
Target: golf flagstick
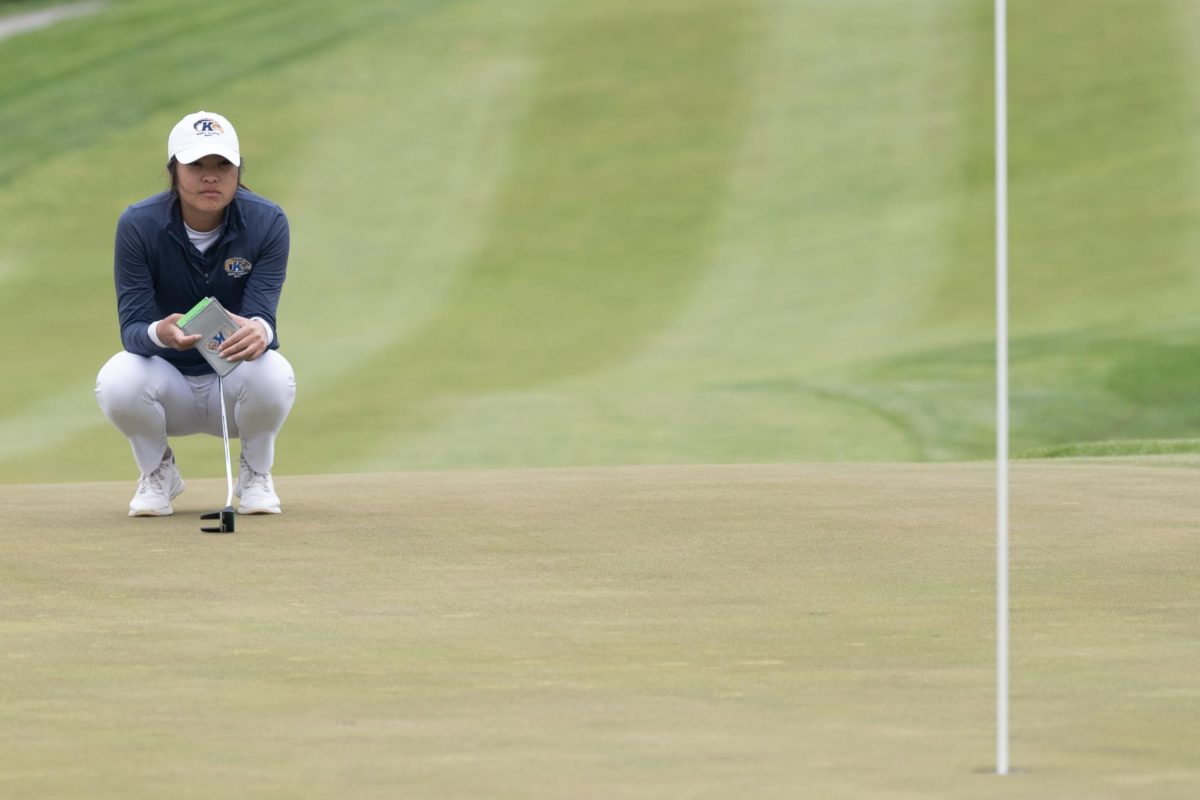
226, 515
1002, 602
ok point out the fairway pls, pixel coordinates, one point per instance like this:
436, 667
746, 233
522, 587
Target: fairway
705, 631
530, 233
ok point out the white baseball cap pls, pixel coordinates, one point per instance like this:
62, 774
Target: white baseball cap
203, 134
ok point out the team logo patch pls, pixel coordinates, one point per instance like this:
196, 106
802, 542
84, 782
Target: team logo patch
215, 341
207, 127
237, 267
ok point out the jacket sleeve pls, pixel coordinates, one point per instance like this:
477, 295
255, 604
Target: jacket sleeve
265, 281
136, 306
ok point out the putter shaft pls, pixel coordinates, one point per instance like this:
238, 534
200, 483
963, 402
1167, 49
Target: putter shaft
226, 515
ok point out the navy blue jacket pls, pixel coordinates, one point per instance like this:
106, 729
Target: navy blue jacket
159, 272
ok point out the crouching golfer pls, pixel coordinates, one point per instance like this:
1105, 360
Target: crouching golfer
206, 236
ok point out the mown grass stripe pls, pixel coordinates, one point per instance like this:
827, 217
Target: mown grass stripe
601, 227
61, 89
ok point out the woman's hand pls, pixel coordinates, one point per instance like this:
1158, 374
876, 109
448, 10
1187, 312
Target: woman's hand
171, 335
248, 343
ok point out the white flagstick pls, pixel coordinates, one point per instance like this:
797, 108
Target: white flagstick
1001, 390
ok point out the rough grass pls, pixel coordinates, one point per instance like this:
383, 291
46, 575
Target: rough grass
768, 631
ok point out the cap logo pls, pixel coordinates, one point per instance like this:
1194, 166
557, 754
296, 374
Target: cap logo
208, 127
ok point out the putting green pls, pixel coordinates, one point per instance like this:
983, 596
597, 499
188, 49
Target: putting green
703, 631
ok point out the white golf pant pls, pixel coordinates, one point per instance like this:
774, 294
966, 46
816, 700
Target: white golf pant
149, 400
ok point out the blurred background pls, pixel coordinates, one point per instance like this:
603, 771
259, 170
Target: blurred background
545, 233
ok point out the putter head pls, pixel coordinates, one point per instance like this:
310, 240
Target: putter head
226, 516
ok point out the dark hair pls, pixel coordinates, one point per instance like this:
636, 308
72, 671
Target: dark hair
173, 164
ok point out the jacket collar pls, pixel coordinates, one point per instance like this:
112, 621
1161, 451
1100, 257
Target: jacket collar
234, 222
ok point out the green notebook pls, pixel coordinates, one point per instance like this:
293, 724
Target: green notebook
209, 319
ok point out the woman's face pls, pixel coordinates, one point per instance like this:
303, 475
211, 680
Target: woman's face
205, 188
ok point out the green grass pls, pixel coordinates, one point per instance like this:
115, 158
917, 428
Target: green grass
539, 233
676, 632
533, 233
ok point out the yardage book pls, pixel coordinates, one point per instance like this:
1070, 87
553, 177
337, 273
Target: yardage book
210, 319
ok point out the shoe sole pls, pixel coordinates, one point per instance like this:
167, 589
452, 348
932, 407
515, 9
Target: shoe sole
248, 511
152, 512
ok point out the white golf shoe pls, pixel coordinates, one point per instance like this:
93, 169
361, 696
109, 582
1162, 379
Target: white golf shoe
256, 491
156, 490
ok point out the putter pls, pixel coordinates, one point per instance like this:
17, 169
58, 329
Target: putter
226, 515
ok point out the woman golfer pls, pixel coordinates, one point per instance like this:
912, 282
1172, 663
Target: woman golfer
205, 236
